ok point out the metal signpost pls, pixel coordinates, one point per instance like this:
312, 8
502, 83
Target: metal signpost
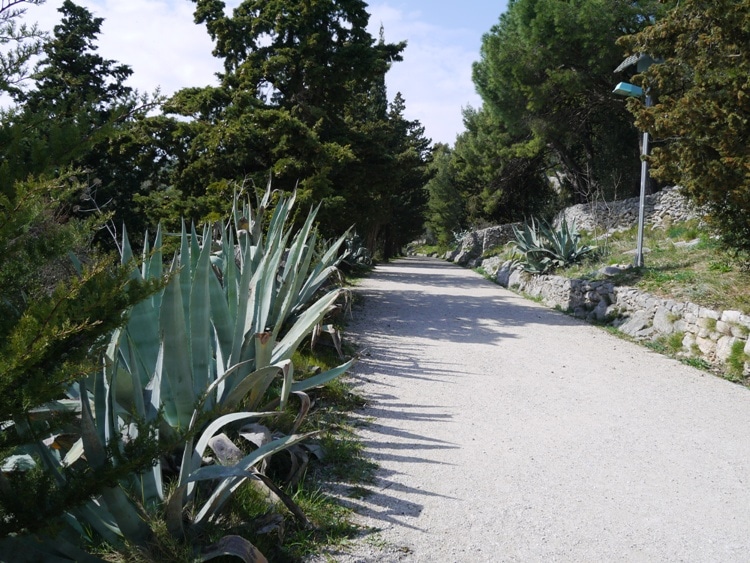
630, 90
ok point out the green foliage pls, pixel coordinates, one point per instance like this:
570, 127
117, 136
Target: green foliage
79, 114
544, 248
700, 117
545, 76
191, 369
302, 98
26, 41
445, 209
56, 314
499, 181
549, 130
674, 341
737, 360
358, 258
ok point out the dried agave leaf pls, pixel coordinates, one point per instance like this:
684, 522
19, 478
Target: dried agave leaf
236, 546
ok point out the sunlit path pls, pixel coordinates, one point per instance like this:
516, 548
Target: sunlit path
509, 432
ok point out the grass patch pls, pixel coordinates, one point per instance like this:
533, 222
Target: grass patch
428, 249
669, 345
705, 273
282, 538
736, 361
698, 363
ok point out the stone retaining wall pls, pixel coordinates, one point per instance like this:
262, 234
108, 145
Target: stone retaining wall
475, 243
718, 337
660, 209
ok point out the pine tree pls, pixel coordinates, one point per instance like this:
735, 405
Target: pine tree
19, 43
60, 300
79, 114
700, 121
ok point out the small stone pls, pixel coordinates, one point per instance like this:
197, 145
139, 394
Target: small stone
637, 322
731, 316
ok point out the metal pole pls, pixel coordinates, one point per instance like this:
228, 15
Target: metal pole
642, 202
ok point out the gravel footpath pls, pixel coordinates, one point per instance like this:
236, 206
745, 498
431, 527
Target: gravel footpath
506, 431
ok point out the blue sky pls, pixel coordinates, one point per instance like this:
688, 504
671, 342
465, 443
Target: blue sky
165, 48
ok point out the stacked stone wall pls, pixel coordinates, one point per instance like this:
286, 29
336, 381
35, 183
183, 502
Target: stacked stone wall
660, 209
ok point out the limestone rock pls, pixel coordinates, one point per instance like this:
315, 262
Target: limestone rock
663, 321
638, 321
724, 348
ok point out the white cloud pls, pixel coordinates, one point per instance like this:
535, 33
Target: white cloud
158, 39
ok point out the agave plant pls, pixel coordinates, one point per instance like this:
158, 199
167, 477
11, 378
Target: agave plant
194, 360
544, 248
357, 255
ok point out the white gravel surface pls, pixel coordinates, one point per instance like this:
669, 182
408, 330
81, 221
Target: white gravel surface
506, 431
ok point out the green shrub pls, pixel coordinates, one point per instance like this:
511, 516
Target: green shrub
544, 248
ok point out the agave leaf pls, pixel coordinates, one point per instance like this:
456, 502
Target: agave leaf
264, 286
242, 326
211, 430
94, 514
303, 326
325, 267
286, 386
287, 500
143, 332
195, 248
265, 376
151, 485
30, 549
74, 454
292, 276
184, 272
322, 378
174, 509
230, 274
188, 464
312, 285
215, 502
219, 387
221, 316
180, 399
254, 384
156, 267
200, 322
54, 408
129, 521
263, 348
215, 472
256, 434
304, 408
126, 251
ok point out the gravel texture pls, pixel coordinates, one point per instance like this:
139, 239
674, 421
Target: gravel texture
506, 431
